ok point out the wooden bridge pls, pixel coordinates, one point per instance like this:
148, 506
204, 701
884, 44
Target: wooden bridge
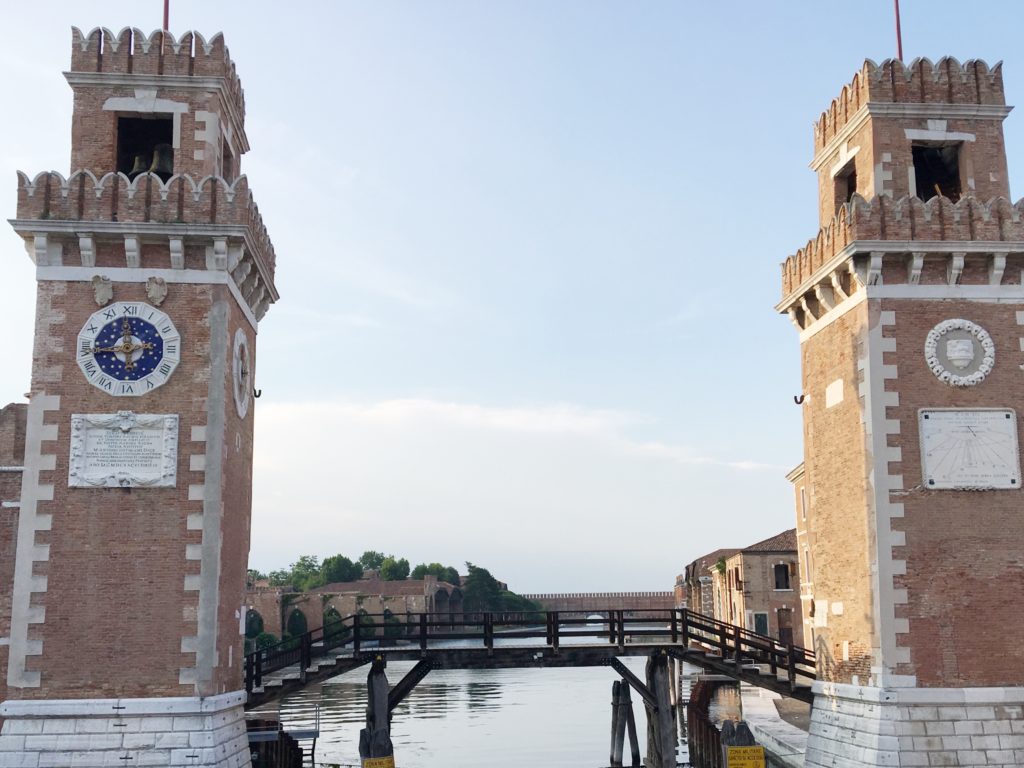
510, 640
635, 603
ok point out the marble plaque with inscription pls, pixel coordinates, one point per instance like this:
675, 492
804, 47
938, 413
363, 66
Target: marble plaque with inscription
123, 450
969, 448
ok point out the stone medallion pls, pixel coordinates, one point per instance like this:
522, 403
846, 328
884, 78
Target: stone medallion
959, 352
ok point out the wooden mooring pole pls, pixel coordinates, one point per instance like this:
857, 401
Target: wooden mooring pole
623, 722
375, 748
618, 724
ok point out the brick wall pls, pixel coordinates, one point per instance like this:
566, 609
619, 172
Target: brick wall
836, 476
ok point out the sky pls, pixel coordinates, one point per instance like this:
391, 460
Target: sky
528, 254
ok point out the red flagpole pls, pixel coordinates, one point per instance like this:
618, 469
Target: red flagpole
899, 35
167, 14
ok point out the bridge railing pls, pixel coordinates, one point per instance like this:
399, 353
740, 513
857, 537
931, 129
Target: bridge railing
671, 627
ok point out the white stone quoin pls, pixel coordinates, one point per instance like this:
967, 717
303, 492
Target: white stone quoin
185, 732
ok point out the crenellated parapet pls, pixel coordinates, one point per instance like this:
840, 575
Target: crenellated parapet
132, 52
946, 81
904, 241
210, 215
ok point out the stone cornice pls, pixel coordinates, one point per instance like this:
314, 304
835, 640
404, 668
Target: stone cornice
821, 275
185, 82
146, 229
910, 112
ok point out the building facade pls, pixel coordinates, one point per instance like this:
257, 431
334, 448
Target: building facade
153, 270
760, 588
909, 307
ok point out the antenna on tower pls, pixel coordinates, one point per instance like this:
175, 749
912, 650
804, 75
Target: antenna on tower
167, 24
899, 34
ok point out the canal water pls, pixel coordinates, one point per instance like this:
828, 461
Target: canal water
501, 718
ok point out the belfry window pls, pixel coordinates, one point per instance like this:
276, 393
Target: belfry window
144, 145
937, 170
846, 184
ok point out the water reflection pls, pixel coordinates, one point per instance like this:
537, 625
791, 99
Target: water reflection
467, 718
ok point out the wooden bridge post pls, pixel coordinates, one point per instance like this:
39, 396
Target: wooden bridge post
554, 630
622, 631
357, 632
305, 655
423, 631
489, 631
791, 666
661, 726
675, 627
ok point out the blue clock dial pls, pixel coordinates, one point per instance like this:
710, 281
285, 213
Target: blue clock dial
128, 349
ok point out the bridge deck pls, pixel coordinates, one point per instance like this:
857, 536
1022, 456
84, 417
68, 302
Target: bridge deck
562, 642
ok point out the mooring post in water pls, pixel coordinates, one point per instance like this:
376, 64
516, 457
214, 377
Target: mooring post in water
661, 727
618, 724
375, 748
634, 742
739, 746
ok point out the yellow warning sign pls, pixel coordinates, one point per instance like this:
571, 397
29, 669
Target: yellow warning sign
383, 762
745, 757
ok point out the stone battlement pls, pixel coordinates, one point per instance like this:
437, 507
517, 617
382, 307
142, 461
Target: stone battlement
904, 219
947, 81
132, 52
113, 197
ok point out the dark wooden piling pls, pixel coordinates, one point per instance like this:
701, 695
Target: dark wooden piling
661, 726
618, 724
375, 738
634, 742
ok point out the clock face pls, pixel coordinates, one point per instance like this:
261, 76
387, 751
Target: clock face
969, 449
128, 349
241, 368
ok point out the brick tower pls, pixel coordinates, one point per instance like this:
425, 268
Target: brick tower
910, 308
153, 270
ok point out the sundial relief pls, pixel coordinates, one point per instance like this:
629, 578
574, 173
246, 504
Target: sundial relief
966, 448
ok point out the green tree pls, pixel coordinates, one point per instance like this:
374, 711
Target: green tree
443, 573
339, 568
367, 626
334, 625
252, 576
371, 559
265, 640
480, 591
394, 570
280, 578
392, 626
306, 573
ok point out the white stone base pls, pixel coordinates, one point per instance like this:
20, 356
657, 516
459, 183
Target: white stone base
855, 726
175, 732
